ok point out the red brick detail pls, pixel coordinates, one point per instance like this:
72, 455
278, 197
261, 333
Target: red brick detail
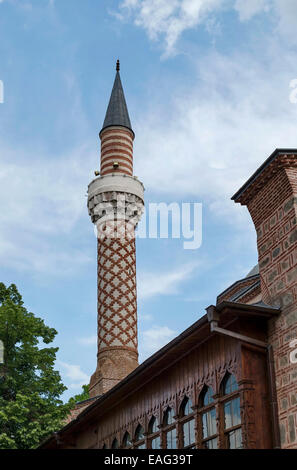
117, 317
120, 159
272, 203
239, 285
78, 408
113, 149
249, 296
111, 130
117, 304
112, 367
109, 162
119, 145
281, 162
120, 170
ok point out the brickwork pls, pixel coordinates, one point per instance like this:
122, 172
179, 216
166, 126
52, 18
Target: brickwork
117, 320
116, 147
78, 408
116, 212
232, 290
252, 296
272, 203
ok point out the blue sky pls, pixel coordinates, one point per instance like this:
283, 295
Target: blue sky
207, 84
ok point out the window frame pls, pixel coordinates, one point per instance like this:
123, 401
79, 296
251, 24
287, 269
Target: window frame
183, 419
137, 444
166, 428
112, 444
203, 409
123, 441
225, 398
155, 434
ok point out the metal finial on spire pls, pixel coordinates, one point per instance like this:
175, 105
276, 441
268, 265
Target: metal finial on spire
117, 112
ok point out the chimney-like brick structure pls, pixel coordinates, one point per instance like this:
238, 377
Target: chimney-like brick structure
271, 198
115, 204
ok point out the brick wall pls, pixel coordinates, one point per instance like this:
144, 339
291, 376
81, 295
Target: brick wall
116, 146
272, 203
117, 296
232, 290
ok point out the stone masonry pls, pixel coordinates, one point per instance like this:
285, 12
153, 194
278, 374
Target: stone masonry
115, 204
271, 199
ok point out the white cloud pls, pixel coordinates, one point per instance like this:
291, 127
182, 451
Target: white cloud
207, 141
166, 21
158, 283
75, 374
286, 11
88, 341
155, 338
248, 9
42, 201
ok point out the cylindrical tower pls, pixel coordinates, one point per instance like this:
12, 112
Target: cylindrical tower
115, 204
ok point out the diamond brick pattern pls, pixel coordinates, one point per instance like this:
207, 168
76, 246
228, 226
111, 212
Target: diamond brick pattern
117, 308
115, 206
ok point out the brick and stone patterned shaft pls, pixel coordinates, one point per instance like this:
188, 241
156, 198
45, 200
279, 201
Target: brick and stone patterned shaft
115, 203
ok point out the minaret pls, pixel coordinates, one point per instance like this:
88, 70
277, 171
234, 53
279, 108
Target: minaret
115, 204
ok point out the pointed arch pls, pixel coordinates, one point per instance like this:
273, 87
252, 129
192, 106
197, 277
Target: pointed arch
206, 396
168, 417
139, 433
232, 413
187, 421
186, 406
153, 425
115, 444
208, 417
169, 425
127, 442
229, 384
154, 431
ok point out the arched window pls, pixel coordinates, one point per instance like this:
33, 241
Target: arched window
168, 417
186, 407
232, 418
154, 433
115, 444
209, 419
229, 384
127, 443
139, 437
170, 429
188, 423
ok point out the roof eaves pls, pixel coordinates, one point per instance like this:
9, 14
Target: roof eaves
260, 308
255, 276
261, 169
244, 291
136, 372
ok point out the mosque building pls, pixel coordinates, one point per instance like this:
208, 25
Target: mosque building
227, 381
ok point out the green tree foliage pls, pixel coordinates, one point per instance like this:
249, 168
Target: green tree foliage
84, 395
30, 407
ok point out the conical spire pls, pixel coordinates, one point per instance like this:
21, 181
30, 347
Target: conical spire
117, 111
